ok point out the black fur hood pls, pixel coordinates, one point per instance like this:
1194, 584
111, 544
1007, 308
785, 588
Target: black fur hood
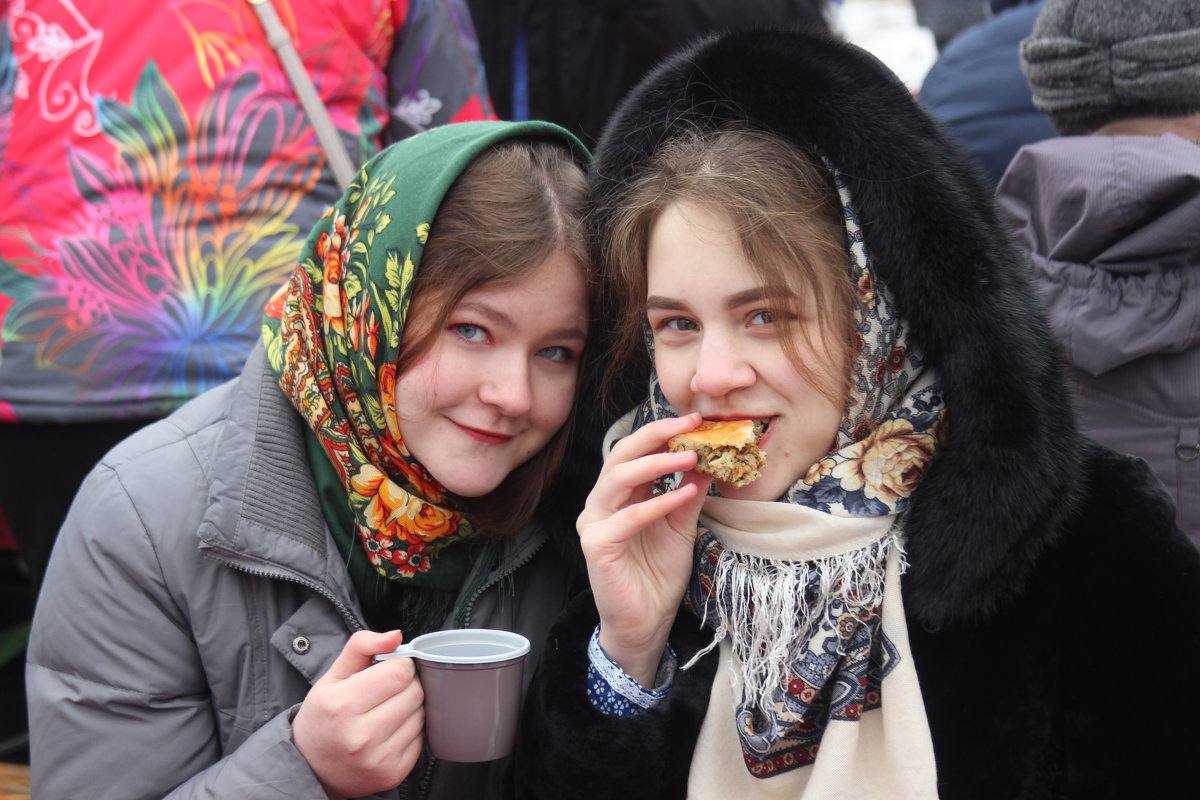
997, 495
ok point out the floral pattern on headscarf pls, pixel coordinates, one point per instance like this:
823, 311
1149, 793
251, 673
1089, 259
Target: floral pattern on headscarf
335, 349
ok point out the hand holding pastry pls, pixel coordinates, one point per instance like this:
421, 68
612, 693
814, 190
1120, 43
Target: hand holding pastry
639, 546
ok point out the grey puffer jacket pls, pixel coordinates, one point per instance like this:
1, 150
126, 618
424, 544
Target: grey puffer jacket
1112, 225
194, 596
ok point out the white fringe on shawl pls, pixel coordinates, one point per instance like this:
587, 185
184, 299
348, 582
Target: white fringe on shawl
768, 607
883, 753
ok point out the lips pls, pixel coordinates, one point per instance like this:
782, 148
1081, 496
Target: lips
485, 436
766, 437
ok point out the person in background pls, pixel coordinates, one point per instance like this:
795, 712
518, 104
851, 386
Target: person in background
392, 460
1109, 215
933, 584
977, 90
946, 19
157, 178
571, 61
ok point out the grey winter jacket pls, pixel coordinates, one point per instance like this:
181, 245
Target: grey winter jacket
1112, 225
194, 596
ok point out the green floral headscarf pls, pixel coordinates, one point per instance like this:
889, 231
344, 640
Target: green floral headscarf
332, 335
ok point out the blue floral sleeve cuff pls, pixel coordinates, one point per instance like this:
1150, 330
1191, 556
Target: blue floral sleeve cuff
614, 693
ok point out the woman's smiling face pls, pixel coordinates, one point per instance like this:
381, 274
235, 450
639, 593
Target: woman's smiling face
717, 349
499, 380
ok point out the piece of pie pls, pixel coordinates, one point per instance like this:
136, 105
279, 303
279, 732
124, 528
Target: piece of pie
728, 449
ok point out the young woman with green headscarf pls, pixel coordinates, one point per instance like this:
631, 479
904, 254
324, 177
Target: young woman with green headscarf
375, 473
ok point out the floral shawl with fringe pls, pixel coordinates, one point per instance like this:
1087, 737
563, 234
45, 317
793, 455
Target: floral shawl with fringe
804, 631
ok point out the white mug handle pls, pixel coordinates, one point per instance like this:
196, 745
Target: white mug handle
403, 651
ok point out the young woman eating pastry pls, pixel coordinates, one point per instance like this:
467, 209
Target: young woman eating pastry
937, 587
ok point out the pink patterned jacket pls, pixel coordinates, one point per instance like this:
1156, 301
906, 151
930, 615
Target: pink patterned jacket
158, 177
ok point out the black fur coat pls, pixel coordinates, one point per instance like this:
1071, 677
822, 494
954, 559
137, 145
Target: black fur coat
1051, 600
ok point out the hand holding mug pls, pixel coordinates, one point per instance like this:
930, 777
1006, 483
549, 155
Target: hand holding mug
361, 729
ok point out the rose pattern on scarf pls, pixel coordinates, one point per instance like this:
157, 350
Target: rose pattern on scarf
401, 529
335, 350
882, 469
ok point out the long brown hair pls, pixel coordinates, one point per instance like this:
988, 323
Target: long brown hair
513, 207
788, 219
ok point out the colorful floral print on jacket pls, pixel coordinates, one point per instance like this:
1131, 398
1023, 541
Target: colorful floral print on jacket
158, 177
333, 333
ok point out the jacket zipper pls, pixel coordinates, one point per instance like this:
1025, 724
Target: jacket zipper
227, 558
499, 576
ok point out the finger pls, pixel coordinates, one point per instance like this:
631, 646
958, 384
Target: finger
410, 746
628, 522
381, 743
400, 722
652, 437
404, 710
357, 654
378, 685
699, 479
407, 736
622, 482
685, 516
388, 709
649, 468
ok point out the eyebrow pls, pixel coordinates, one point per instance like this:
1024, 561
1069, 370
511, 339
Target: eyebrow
658, 303
499, 317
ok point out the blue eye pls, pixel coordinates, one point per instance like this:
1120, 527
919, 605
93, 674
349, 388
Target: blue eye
556, 353
472, 333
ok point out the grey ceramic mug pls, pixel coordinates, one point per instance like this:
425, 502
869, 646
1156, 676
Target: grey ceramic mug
472, 682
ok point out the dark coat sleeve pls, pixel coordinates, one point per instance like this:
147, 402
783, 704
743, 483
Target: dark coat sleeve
1080, 687
566, 748
1134, 578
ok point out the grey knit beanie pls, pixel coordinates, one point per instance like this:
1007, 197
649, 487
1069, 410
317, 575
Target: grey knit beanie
1090, 62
